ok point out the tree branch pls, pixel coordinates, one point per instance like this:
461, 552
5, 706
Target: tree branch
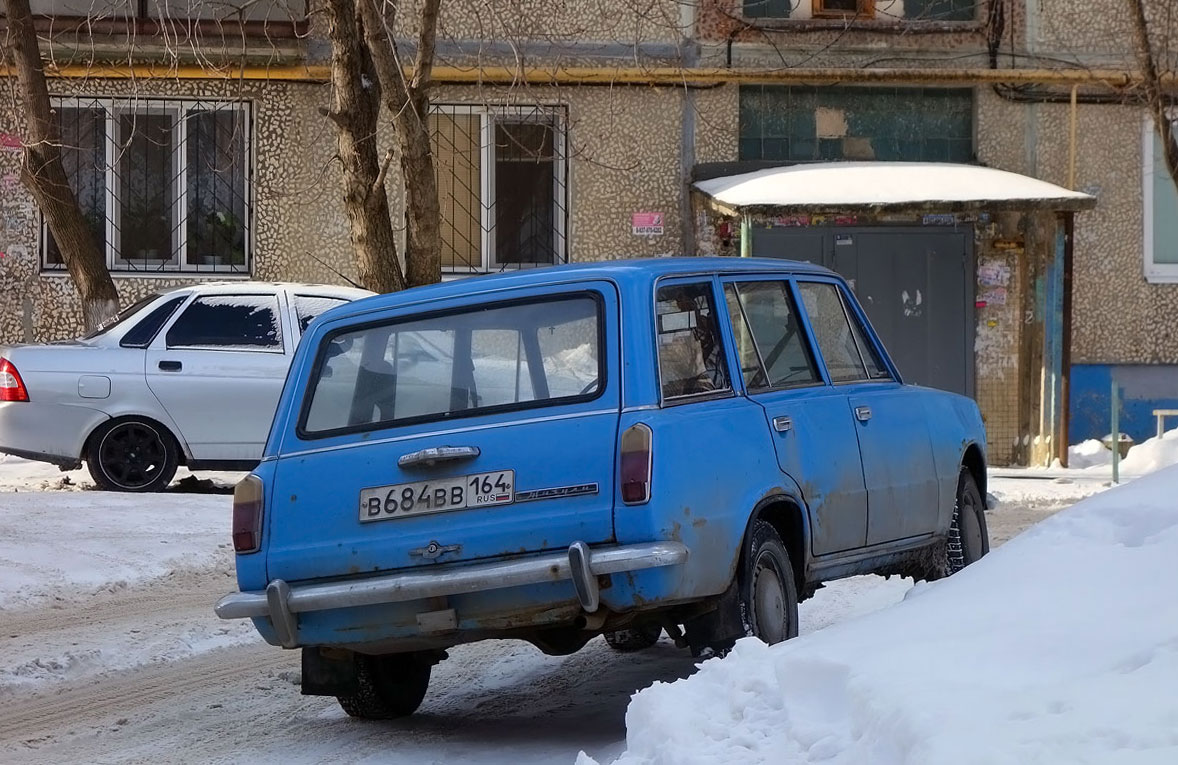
1151, 83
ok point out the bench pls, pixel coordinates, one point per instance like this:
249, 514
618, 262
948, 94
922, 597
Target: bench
1162, 414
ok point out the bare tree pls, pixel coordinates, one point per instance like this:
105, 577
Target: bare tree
366, 68
355, 112
1152, 85
44, 175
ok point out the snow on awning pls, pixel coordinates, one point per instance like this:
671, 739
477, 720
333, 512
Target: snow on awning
888, 186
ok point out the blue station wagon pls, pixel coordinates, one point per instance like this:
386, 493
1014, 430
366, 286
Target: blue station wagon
688, 445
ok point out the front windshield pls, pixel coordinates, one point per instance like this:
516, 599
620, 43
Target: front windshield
120, 317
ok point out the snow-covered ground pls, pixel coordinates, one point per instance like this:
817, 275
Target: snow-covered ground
110, 652
1061, 646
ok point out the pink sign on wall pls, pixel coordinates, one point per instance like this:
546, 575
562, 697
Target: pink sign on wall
646, 224
10, 142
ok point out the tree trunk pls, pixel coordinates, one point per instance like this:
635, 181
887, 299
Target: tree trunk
355, 111
423, 236
45, 177
1153, 89
408, 102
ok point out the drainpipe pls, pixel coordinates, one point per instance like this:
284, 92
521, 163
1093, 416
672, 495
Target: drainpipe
1072, 142
746, 236
1069, 229
676, 76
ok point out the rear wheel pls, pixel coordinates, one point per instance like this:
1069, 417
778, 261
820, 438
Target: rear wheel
132, 454
389, 686
768, 592
634, 638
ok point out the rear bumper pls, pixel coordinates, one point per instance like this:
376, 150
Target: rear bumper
280, 602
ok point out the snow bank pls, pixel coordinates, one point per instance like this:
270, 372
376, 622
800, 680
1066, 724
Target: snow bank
1061, 646
65, 545
1145, 457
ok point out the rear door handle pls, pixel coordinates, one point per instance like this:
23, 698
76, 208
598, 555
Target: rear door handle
436, 454
783, 424
171, 366
863, 413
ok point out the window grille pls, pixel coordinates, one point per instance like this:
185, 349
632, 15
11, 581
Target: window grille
164, 184
502, 186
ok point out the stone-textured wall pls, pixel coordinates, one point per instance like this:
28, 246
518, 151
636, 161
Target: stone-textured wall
1096, 33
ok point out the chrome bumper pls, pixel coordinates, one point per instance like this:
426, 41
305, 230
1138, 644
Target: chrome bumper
580, 563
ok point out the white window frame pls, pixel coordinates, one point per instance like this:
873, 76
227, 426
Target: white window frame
488, 116
1156, 273
120, 267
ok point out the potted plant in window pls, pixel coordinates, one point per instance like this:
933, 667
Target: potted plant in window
218, 238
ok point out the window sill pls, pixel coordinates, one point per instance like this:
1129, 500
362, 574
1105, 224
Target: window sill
219, 276
851, 24
1166, 276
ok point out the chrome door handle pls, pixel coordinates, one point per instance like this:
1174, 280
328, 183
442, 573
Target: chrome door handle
436, 454
783, 424
863, 413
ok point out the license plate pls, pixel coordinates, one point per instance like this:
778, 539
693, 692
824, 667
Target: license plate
398, 500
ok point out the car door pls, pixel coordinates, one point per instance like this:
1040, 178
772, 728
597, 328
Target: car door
218, 370
472, 429
809, 419
890, 420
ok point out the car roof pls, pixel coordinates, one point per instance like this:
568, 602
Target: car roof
250, 286
644, 270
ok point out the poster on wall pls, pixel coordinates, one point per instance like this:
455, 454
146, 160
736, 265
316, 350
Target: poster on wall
646, 224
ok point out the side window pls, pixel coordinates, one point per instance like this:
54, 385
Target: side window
841, 340
691, 359
773, 352
308, 308
228, 322
141, 335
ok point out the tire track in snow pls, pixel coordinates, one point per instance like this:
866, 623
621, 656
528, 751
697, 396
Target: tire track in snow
37, 717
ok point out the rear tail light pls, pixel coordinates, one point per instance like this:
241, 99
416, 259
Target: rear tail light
636, 442
12, 388
247, 514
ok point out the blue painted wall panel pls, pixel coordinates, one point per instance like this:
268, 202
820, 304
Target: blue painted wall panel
1143, 389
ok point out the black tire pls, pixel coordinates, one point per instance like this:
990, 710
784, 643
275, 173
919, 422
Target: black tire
768, 592
968, 537
390, 686
634, 638
132, 454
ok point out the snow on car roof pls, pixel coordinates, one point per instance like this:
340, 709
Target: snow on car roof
247, 285
864, 185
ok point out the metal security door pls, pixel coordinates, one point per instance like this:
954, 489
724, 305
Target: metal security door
914, 284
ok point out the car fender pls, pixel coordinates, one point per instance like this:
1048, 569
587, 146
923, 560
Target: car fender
126, 408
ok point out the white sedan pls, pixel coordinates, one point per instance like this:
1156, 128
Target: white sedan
190, 377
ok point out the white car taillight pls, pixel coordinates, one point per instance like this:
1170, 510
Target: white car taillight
247, 514
12, 388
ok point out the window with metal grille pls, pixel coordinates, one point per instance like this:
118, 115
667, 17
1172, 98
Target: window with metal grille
501, 185
861, 10
164, 185
280, 18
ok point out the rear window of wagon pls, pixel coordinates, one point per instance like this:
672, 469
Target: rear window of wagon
482, 359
